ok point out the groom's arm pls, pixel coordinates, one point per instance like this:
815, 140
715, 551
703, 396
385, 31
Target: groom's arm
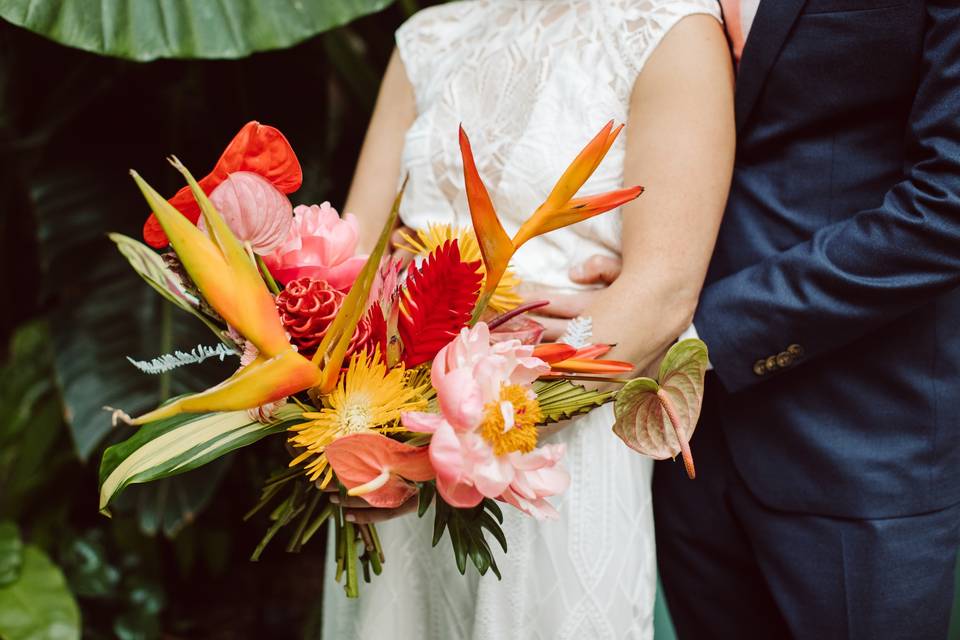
854, 276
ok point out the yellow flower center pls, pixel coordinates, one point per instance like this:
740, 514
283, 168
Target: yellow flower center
510, 422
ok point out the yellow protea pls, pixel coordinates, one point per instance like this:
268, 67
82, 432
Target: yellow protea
505, 297
368, 397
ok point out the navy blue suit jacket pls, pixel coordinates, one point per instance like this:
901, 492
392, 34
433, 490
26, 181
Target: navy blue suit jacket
832, 307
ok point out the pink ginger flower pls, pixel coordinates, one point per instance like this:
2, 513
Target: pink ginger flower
321, 245
255, 210
485, 436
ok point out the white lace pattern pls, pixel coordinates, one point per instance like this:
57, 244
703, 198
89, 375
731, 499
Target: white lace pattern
532, 81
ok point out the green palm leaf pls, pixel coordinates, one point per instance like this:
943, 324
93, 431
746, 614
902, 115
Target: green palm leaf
150, 29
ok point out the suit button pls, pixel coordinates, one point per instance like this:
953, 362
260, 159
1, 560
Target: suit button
784, 359
795, 350
772, 363
760, 368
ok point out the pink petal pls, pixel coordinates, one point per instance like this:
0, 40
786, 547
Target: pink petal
460, 398
446, 455
493, 476
420, 422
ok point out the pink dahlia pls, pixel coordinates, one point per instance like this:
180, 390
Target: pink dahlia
321, 246
484, 440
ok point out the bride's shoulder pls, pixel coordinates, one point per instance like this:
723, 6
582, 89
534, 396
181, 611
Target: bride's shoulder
640, 25
446, 17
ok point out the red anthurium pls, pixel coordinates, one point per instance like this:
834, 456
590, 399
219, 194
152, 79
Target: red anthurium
257, 148
379, 469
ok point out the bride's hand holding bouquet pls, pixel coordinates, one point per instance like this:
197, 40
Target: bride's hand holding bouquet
390, 383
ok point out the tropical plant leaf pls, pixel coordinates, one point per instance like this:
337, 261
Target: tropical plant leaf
178, 444
562, 399
151, 267
11, 553
658, 418
436, 301
149, 29
38, 605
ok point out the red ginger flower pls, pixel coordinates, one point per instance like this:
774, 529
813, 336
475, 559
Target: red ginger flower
307, 308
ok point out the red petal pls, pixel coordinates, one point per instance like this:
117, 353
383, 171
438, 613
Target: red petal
361, 457
257, 148
436, 302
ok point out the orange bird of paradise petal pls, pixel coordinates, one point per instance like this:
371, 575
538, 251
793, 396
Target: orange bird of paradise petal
379, 469
256, 148
560, 209
228, 279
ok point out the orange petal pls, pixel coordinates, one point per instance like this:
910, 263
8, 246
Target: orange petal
574, 365
576, 210
554, 352
582, 167
379, 467
255, 385
592, 351
495, 245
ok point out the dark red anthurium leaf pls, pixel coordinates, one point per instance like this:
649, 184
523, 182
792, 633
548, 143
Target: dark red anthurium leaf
257, 148
436, 301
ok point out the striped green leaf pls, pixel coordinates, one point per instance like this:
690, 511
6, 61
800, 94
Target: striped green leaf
151, 267
561, 399
176, 445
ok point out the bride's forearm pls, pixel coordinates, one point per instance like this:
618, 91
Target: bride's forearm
642, 315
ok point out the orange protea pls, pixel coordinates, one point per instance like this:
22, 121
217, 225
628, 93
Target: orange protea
505, 297
368, 398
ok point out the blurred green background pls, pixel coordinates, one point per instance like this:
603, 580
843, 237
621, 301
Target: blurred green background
88, 90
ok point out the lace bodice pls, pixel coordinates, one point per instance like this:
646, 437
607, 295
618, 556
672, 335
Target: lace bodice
532, 81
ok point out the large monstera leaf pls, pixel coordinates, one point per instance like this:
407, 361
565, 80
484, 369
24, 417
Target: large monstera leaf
657, 417
150, 29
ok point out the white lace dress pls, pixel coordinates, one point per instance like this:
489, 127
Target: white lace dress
532, 81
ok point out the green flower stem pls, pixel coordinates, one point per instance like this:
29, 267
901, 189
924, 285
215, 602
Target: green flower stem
349, 535
267, 276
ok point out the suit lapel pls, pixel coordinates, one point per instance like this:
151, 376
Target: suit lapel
770, 28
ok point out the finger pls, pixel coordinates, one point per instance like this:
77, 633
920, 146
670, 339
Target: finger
597, 270
350, 502
569, 306
373, 516
397, 242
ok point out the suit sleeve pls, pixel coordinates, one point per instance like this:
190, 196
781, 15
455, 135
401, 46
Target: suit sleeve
859, 274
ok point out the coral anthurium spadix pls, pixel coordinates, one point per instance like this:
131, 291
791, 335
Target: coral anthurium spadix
387, 383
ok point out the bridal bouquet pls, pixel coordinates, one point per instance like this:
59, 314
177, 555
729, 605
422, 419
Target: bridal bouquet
385, 382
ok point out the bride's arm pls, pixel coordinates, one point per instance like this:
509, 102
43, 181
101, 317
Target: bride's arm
375, 179
680, 146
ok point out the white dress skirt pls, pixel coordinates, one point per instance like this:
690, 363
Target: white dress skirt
532, 81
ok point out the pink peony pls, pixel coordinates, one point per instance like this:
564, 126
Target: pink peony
321, 245
254, 209
484, 438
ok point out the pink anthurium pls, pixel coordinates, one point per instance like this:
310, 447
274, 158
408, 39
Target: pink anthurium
379, 469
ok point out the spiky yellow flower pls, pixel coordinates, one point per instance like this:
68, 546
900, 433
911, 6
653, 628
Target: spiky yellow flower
368, 397
504, 298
